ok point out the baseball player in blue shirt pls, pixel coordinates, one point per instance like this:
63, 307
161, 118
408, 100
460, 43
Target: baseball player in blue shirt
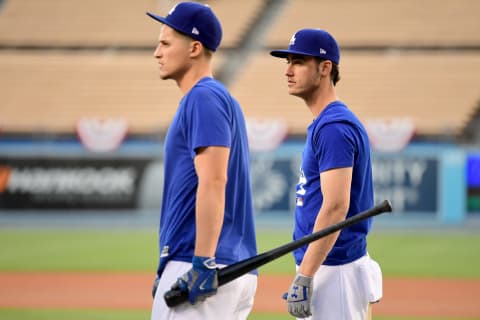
207, 213
336, 278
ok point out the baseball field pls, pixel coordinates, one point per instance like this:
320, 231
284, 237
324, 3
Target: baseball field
106, 274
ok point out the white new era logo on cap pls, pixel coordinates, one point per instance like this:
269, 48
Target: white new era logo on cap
322, 51
195, 31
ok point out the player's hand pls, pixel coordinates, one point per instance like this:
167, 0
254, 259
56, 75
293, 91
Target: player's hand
299, 296
155, 286
201, 281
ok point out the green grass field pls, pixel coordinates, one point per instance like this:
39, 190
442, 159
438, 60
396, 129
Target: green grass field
453, 255
428, 254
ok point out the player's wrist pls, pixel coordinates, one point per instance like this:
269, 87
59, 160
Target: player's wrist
306, 271
202, 264
303, 280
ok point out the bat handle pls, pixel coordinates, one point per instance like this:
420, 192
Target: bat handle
175, 297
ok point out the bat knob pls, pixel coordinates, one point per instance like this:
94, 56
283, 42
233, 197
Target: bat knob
175, 297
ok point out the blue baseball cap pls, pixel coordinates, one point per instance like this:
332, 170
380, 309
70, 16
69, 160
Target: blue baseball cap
195, 20
311, 42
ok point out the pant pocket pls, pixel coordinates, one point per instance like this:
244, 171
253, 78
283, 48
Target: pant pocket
371, 276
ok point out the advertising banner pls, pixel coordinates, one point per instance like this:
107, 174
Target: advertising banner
64, 183
409, 182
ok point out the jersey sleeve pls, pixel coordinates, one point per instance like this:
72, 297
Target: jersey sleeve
208, 118
334, 146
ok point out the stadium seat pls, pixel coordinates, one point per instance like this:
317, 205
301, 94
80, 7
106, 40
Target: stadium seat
50, 91
383, 23
437, 91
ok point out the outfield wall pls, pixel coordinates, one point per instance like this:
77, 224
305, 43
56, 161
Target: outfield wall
425, 183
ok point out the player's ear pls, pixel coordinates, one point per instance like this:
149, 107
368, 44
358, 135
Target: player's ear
325, 67
196, 48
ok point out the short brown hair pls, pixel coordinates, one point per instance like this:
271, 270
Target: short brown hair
334, 73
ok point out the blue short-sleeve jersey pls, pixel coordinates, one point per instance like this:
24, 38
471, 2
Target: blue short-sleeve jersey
207, 116
335, 139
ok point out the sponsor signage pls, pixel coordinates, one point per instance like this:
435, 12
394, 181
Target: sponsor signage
70, 183
410, 183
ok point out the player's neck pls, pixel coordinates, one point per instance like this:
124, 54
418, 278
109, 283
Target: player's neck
193, 75
320, 100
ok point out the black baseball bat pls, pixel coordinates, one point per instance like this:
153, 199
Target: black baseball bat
174, 297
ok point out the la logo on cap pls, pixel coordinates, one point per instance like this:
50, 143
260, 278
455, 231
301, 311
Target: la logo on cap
292, 40
173, 9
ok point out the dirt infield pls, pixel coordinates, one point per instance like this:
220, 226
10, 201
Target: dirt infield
402, 297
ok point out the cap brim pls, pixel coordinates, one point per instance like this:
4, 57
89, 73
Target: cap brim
158, 18
164, 21
285, 53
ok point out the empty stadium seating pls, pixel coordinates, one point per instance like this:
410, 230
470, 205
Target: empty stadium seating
77, 23
50, 91
61, 60
437, 91
106, 22
383, 22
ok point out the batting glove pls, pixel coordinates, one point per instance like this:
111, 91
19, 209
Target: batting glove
299, 296
201, 281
